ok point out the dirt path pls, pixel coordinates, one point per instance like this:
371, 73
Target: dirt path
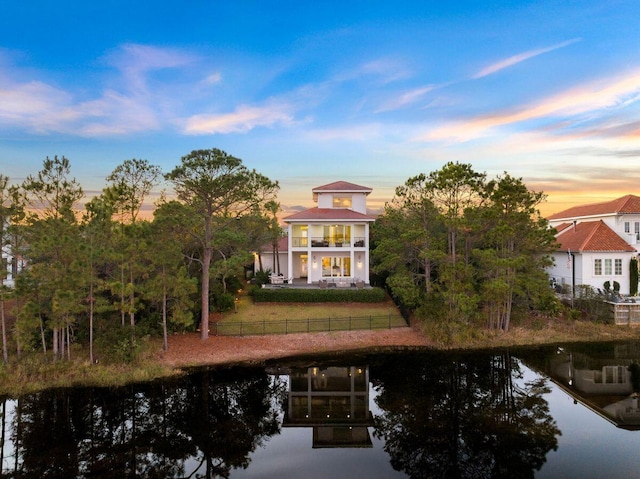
190, 350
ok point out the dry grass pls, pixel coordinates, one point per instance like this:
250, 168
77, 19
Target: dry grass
530, 331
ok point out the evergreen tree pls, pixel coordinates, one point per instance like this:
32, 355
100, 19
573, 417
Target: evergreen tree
53, 237
218, 189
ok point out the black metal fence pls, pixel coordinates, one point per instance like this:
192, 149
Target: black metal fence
291, 326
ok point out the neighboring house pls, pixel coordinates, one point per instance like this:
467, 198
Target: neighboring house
597, 242
331, 241
10, 264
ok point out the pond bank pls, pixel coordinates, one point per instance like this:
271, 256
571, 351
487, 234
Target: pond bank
187, 350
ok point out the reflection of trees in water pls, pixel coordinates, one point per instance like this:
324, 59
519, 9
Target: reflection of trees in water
465, 417
206, 422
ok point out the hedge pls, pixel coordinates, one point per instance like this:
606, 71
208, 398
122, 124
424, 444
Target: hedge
333, 295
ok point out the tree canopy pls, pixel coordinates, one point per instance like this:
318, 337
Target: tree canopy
455, 246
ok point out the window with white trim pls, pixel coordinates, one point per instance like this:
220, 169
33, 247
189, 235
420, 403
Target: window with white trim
597, 267
607, 266
617, 267
336, 266
627, 227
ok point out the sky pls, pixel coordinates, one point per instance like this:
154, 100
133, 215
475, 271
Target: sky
307, 93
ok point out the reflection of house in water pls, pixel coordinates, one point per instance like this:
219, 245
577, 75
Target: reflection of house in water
603, 381
334, 401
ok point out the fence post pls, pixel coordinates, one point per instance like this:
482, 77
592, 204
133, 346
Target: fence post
308, 321
264, 327
286, 326
329, 323
370, 322
349, 323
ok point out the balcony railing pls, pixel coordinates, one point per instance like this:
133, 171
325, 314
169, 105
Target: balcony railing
299, 241
320, 242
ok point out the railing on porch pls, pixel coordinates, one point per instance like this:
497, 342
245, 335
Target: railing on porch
291, 326
321, 242
299, 241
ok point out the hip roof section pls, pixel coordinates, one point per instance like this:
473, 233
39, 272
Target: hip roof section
628, 204
590, 236
342, 187
327, 214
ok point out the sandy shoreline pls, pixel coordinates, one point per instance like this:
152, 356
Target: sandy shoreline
189, 350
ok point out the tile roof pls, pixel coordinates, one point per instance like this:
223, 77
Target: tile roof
625, 205
342, 186
562, 226
328, 214
591, 236
283, 246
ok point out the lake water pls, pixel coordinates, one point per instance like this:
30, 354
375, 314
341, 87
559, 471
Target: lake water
548, 412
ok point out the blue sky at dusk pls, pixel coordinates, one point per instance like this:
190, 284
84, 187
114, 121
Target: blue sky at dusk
312, 92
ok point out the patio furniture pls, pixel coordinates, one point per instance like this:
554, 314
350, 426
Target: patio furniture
276, 279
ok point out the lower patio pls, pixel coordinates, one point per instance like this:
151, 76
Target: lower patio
301, 283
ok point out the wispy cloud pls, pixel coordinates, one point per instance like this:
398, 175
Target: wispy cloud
136, 61
242, 120
515, 59
383, 70
405, 99
213, 79
619, 92
127, 107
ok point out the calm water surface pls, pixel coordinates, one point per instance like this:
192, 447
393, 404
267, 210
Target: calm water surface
551, 412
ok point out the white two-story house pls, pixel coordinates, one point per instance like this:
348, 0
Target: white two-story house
330, 242
597, 242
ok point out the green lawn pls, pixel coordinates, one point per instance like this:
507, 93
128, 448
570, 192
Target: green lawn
283, 318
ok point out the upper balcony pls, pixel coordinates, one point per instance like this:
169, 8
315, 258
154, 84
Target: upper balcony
322, 242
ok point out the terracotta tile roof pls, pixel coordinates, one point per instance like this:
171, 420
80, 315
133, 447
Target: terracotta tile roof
562, 226
591, 236
625, 205
328, 214
342, 186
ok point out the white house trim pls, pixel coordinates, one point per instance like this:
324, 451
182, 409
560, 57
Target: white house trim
331, 242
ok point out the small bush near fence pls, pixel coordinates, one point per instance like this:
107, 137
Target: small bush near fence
292, 295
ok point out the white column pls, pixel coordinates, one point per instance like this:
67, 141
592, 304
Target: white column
366, 254
289, 251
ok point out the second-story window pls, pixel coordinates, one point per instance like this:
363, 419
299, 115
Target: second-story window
342, 201
627, 227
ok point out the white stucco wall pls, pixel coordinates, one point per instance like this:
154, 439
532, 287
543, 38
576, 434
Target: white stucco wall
584, 270
268, 263
358, 201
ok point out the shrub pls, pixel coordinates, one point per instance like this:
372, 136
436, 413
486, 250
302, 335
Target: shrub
225, 302
293, 295
262, 276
